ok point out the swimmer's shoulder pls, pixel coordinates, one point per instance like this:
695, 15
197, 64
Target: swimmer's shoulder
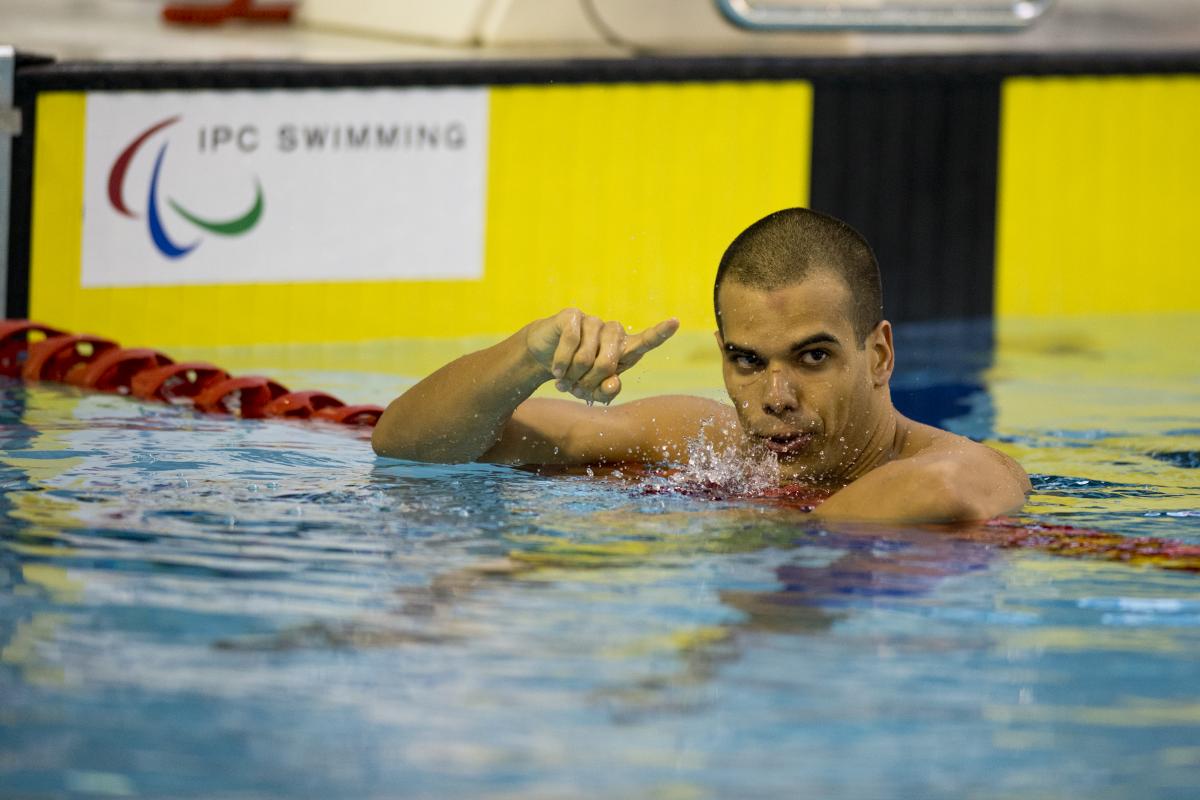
927, 441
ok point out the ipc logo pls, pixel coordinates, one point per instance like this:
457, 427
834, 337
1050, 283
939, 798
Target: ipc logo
236, 226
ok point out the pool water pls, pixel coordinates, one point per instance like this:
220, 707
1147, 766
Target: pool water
196, 606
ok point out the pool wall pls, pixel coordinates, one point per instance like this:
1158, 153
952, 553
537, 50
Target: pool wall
990, 185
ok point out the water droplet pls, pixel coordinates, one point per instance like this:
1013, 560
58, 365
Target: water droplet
556, 450
710, 470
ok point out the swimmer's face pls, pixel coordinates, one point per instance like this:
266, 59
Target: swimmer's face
802, 386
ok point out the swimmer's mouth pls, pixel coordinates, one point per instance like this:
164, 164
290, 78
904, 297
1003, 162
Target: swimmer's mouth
788, 443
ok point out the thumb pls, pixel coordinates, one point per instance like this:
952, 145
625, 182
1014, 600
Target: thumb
607, 390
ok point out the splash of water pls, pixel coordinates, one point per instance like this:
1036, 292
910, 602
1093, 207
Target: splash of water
719, 472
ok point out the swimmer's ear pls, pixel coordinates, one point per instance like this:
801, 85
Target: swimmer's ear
882, 353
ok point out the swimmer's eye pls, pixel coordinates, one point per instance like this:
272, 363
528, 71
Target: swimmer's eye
744, 360
812, 358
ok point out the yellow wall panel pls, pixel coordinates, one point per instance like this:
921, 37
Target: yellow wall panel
57, 208
624, 197
1099, 210
616, 198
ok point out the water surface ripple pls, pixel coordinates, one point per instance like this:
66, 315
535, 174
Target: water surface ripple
194, 606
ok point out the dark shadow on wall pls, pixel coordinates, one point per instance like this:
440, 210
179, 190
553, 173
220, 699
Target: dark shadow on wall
911, 162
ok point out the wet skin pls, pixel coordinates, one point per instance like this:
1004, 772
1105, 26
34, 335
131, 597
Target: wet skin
802, 384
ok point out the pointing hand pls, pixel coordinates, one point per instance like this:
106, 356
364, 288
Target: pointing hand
585, 354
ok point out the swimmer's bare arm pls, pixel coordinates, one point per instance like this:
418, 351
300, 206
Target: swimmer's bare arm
548, 431
953, 480
479, 407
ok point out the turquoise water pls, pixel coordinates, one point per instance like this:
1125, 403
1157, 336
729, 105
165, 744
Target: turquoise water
194, 606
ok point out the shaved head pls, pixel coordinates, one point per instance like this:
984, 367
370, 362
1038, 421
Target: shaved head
788, 246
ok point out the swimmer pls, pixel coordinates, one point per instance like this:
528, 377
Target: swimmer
807, 358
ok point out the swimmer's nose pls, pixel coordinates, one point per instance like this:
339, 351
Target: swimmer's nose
778, 397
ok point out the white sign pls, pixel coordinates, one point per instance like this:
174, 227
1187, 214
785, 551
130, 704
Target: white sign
284, 186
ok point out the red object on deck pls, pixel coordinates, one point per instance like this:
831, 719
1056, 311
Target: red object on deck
63, 358
176, 382
115, 369
246, 396
15, 342
362, 414
213, 14
301, 405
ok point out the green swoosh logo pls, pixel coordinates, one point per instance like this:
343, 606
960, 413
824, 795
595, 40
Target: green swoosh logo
230, 227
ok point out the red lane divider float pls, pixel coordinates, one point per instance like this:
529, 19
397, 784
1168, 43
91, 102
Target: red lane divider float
36, 352
16, 337
176, 383
115, 369
246, 397
63, 359
361, 414
302, 405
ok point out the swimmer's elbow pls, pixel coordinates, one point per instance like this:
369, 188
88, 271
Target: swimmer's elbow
387, 447
388, 444
378, 443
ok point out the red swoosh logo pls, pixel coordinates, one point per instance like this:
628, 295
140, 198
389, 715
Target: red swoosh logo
116, 176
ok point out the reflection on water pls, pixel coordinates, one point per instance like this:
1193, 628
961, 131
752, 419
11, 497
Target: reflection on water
191, 606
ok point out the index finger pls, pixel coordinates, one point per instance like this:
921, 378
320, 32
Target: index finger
642, 343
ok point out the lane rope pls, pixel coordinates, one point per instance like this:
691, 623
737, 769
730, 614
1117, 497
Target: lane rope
34, 352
